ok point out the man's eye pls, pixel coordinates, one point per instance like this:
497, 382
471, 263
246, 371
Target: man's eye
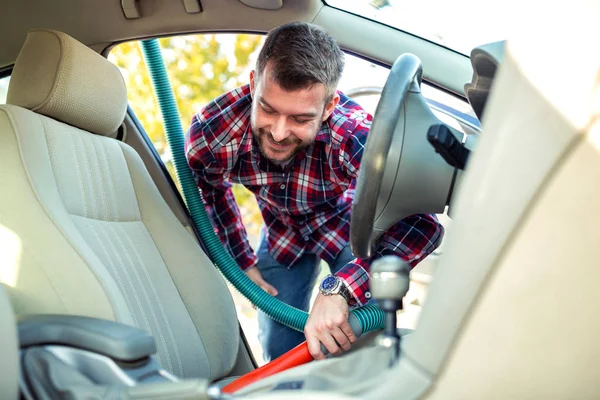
267, 111
302, 121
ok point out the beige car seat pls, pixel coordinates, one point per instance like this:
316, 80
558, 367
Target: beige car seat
84, 230
9, 346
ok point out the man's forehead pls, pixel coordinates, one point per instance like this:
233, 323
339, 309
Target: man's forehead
311, 99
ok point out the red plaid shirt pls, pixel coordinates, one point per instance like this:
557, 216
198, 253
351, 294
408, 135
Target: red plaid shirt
306, 207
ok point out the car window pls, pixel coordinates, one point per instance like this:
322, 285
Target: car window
4, 89
363, 81
202, 67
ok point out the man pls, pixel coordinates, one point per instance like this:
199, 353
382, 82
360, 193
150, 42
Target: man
296, 143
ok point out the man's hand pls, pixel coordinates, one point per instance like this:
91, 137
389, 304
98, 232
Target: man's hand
254, 274
328, 324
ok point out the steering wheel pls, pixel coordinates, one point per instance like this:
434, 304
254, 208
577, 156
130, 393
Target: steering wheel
406, 71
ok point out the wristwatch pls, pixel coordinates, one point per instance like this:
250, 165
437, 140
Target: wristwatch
331, 285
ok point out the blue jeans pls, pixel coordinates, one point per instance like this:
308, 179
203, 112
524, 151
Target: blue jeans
295, 287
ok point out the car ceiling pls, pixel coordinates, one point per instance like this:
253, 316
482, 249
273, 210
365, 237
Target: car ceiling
101, 23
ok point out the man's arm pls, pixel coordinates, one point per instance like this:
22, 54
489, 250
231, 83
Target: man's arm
226, 219
218, 197
412, 239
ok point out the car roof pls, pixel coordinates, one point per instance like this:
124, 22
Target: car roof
101, 24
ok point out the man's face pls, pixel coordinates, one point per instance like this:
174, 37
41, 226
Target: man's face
284, 122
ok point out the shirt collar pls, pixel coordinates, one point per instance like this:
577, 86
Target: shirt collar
324, 134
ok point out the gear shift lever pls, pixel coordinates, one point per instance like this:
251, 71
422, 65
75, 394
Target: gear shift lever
389, 284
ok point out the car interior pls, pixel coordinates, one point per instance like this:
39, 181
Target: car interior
109, 290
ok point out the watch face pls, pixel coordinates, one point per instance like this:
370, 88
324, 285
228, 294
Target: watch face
328, 283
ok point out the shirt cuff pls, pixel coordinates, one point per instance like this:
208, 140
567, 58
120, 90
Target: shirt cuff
356, 279
246, 261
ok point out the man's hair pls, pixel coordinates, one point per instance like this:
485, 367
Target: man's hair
301, 55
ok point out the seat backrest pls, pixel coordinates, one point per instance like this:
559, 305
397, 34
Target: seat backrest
514, 307
89, 232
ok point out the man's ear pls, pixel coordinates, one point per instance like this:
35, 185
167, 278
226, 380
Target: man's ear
252, 85
329, 107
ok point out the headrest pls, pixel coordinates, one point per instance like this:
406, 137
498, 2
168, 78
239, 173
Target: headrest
59, 77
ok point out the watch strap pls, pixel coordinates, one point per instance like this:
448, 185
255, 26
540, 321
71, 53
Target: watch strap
346, 294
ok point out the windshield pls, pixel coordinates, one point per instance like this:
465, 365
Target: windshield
459, 25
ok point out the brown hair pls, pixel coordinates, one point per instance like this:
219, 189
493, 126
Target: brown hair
301, 55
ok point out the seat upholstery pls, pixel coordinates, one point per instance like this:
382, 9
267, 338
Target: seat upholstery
86, 230
514, 308
9, 363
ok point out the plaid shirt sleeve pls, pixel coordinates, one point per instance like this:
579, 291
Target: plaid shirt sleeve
413, 238
209, 175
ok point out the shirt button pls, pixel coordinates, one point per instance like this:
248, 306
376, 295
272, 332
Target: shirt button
368, 295
282, 186
306, 238
301, 222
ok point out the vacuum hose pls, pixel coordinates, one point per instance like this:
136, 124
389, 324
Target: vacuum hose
369, 317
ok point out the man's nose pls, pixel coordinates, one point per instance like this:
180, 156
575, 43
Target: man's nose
279, 129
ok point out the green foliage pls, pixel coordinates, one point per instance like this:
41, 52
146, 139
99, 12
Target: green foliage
200, 68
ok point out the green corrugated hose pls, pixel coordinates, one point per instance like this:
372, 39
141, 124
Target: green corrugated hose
370, 317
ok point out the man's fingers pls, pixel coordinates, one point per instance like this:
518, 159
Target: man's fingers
314, 348
341, 339
269, 289
254, 274
347, 329
329, 343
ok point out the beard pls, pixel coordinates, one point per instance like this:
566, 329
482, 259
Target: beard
294, 146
